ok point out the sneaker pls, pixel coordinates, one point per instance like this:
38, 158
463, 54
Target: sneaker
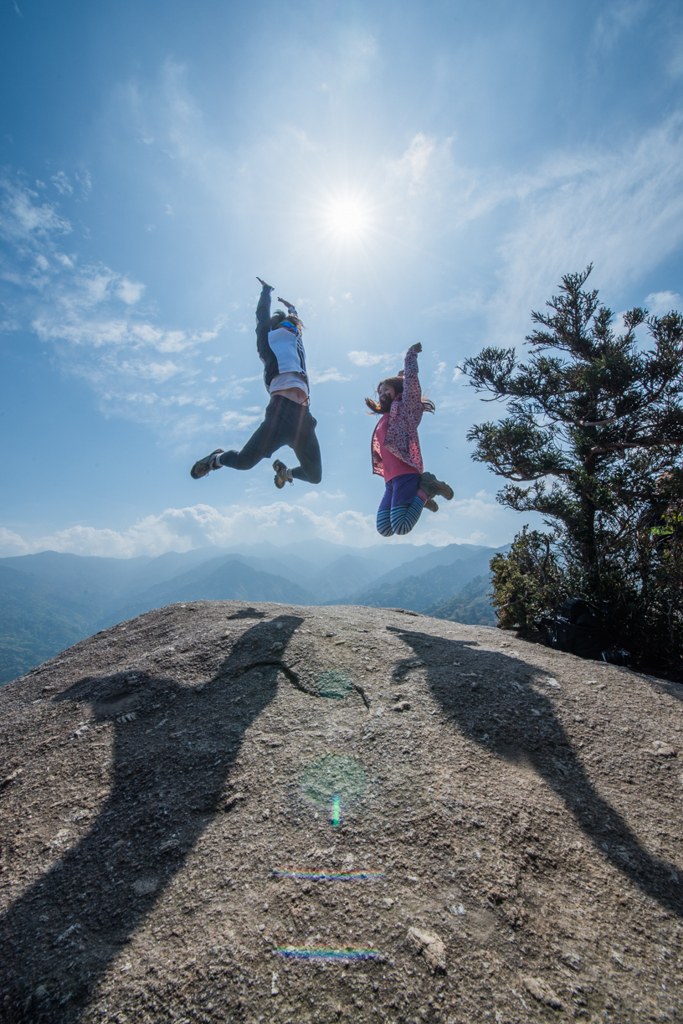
431, 486
282, 474
431, 505
205, 465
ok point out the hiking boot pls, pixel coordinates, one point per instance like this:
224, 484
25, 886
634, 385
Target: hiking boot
205, 465
431, 505
282, 474
431, 486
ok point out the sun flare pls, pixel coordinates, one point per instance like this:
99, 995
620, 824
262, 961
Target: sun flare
347, 219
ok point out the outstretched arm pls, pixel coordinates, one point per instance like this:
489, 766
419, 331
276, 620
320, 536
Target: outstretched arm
412, 392
290, 307
263, 314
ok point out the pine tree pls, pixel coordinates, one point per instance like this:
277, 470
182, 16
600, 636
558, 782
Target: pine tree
594, 420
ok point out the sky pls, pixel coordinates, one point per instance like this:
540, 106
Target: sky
401, 171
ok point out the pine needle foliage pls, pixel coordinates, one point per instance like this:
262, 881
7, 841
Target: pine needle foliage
526, 581
594, 419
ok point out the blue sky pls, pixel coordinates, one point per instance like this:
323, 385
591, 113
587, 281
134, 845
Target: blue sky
401, 171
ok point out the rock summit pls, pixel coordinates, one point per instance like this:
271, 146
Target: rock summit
217, 812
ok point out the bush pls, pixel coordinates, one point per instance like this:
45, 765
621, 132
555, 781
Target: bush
527, 582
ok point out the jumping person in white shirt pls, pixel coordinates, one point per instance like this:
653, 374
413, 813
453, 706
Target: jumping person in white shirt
288, 419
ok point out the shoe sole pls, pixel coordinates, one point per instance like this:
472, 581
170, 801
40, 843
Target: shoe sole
444, 490
202, 467
279, 481
433, 486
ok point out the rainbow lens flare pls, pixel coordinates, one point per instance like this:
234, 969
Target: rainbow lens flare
336, 683
323, 876
332, 781
321, 953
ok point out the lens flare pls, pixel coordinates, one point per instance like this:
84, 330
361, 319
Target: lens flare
333, 782
322, 953
348, 219
327, 876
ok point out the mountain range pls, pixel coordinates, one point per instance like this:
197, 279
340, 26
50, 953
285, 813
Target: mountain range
51, 600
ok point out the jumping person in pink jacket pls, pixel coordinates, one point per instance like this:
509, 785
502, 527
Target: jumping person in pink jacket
396, 451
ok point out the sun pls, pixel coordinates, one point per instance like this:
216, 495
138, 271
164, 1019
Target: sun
347, 219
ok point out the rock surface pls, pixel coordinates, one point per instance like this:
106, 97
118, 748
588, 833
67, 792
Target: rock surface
214, 813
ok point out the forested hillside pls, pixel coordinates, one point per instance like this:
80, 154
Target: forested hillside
52, 600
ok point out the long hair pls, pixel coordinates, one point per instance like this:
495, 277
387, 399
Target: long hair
384, 404
279, 315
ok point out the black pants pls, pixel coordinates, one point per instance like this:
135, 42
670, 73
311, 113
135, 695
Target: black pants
289, 423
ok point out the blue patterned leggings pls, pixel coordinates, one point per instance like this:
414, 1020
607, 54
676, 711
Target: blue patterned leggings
400, 506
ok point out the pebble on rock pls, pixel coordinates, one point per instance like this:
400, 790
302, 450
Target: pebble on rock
542, 992
662, 749
430, 946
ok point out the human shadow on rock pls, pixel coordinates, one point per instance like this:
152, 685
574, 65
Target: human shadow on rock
518, 724
173, 750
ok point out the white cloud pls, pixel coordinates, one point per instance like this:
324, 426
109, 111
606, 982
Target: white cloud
306, 145
130, 291
85, 181
344, 297
199, 525
477, 537
183, 529
621, 209
92, 315
323, 376
469, 303
442, 537
660, 303
373, 358
415, 161
427, 175
316, 496
24, 222
156, 372
12, 543
439, 373
616, 19
62, 184
357, 50
482, 507
240, 420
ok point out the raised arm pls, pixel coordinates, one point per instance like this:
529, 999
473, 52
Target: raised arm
263, 316
290, 308
412, 392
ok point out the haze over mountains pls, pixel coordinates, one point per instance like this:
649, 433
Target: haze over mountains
51, 600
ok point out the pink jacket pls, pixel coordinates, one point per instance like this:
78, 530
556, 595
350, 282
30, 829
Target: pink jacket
404, 417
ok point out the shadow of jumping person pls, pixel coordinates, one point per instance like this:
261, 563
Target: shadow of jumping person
172, 757
517, 723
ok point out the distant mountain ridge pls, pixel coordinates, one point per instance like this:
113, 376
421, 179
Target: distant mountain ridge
471, 605
51, 600
35, 622
432, 583
231, 580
